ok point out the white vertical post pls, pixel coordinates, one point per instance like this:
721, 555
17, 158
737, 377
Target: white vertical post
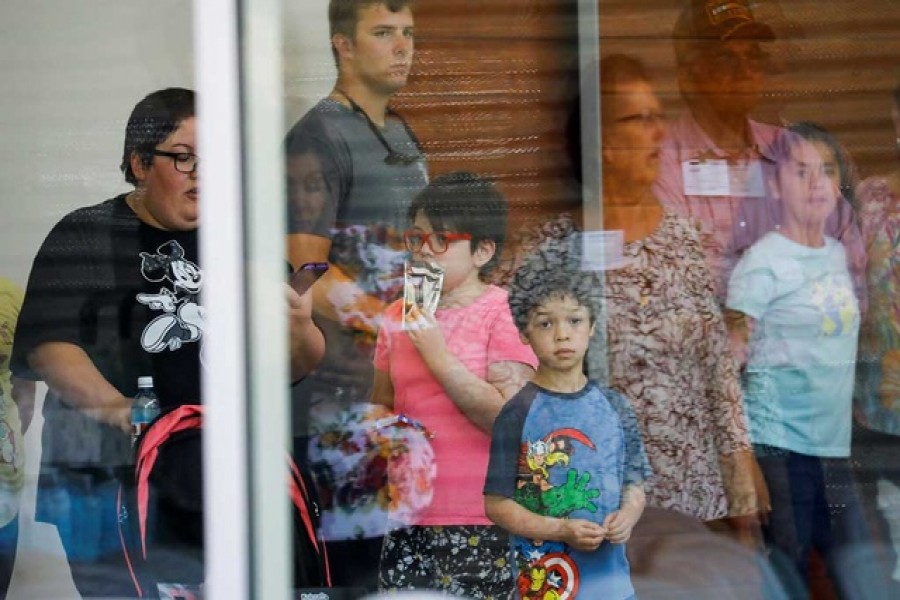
243, 251
589, 88
591, 175
264, 207
225, 440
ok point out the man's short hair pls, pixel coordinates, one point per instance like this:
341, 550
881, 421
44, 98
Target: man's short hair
152, 120
552, 271
343, 15
464, 202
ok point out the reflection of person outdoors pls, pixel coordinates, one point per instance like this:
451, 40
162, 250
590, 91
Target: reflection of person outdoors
114, 295
876, 442
16, 408
307, 189
372, 168
453, 374
716, 160
667, 344
797, 319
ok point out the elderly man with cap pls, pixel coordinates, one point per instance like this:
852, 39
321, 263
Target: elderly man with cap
716, 162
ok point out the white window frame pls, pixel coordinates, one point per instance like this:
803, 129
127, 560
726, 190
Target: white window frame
245, 384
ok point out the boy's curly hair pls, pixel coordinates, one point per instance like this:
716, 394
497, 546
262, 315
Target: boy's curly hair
551, 271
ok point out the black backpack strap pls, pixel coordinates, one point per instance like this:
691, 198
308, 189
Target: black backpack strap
301, 499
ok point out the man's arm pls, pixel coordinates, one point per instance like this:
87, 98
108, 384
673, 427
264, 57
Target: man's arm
306, 247
69, 372
518, 520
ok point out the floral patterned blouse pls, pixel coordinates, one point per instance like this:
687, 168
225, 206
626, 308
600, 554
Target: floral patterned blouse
668, 353
877, 393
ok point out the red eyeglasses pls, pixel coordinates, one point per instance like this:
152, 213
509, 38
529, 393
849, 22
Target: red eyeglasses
438, 241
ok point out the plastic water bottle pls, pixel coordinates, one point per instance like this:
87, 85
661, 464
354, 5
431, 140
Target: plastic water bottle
144, 409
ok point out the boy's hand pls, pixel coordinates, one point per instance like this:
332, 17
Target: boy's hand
620, 523
582, 535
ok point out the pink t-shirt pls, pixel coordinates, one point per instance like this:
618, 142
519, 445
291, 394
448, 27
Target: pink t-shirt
479, 334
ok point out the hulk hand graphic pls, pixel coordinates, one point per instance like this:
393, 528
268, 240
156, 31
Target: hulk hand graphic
571, 496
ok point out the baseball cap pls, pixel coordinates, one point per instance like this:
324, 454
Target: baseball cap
720, 20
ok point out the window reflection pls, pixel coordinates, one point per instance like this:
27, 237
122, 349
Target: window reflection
740, 290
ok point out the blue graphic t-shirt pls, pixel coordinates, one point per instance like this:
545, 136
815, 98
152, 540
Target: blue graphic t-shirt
567, 455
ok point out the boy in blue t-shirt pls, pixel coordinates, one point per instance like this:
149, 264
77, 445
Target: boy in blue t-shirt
567, 463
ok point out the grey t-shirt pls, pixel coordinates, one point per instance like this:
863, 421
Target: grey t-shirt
364, 213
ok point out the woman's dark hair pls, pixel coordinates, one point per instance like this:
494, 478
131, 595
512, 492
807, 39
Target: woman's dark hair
464, 202
615, 70
846, 167
152, 120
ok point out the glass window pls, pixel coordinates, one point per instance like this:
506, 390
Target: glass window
568, 299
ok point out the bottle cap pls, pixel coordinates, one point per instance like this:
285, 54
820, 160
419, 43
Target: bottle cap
145, 381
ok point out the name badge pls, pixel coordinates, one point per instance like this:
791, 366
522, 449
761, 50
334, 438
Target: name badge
716, 177
705, 177
603, 250
745, 179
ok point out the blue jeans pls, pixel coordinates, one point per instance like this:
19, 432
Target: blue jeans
9, 538
815, 505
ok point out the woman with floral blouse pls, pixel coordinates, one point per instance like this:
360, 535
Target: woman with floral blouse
666, 340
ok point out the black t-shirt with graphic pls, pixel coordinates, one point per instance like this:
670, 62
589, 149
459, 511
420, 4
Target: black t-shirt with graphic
128, 294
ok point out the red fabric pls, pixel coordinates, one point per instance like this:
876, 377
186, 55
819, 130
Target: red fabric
188, 416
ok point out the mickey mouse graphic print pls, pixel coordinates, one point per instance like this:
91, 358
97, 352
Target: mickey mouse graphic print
127, 293
182, 316
567, 455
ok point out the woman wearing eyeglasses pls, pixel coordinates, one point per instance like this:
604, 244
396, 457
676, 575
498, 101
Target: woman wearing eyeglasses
113, 295
453, 371
666, 340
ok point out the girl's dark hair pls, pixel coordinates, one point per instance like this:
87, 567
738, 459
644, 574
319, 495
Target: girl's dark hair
464, 202
152, 120
846, 167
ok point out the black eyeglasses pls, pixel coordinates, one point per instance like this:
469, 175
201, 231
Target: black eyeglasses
438, 241
185, 162
393, 158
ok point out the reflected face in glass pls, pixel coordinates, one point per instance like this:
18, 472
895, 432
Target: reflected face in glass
382, 51
829, 163
807, 194
730, 74
307, 191
633, 130
170, 198
460, 264
559, 331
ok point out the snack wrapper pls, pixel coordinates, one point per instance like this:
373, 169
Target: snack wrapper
422, 285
